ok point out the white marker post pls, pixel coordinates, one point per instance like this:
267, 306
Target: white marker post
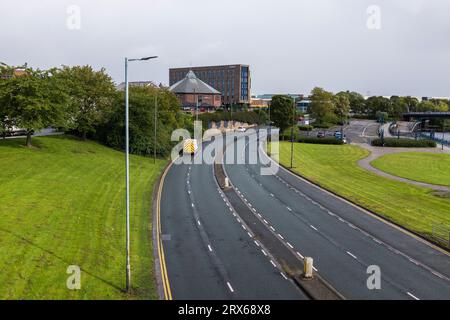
308, 268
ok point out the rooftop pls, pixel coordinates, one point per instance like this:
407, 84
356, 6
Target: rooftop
191, 84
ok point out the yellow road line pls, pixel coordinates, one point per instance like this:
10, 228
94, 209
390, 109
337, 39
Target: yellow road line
162, 260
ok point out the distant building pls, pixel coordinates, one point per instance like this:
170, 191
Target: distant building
301, 101
232, 81
303, 105
258, 103
14, 73
193, 92
121, 87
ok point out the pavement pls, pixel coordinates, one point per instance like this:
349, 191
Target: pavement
211, 253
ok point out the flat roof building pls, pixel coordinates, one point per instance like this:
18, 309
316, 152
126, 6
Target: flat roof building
232, 81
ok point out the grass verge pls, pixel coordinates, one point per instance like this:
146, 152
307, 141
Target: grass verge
62, 203
419, 166
335, 168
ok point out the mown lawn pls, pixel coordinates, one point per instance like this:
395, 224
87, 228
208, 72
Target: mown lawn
335, 168
61, 204
420, 166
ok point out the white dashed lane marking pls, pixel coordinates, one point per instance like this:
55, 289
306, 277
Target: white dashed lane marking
230, 287
352, 255
412, 296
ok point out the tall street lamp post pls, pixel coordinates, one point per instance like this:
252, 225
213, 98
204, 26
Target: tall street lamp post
292, 133
127, 172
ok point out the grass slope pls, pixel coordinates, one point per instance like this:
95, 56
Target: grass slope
420, 166
62, 203
335, 168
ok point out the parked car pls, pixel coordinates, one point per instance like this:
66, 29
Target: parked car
321, 134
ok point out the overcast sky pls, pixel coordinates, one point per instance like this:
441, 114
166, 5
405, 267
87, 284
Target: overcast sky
291, 45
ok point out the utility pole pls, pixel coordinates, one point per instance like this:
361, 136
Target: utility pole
292, 133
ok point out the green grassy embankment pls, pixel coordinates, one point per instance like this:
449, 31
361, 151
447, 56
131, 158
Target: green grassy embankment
335, 168
433, 168
62, 203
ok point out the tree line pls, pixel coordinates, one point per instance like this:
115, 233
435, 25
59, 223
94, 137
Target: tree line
86, 103
326, 106
328, 109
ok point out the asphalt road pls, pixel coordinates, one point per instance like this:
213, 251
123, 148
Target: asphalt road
361, 131
210, 254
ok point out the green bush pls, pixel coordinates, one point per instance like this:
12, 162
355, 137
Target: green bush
324, 125
405, 143
315, 140
305, 128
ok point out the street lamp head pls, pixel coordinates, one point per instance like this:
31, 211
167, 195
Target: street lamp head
148, 58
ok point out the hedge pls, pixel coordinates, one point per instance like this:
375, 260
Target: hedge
403, 143
305, 128
315, 140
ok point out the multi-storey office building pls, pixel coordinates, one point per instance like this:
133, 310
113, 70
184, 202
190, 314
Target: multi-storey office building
233, 81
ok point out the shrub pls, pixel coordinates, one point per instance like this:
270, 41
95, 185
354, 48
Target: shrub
405, 143
305, 128
323, 125
315, 140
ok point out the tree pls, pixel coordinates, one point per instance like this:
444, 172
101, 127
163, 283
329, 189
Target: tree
322, 106
342, 106
356, 100
35, 101
281, 110
375, 104
398, 106
142, 121
91, 97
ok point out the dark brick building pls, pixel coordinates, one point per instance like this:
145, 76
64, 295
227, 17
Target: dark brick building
233, 81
